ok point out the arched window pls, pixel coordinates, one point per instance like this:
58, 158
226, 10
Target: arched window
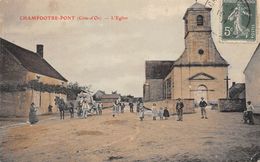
199, 20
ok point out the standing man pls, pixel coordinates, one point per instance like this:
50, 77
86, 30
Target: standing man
179, 109
203, 104
85, 108
71, 109
100, 107
131, 105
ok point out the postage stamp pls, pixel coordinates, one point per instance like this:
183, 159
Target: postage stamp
239, 20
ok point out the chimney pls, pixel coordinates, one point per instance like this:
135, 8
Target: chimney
233, 84
39, 50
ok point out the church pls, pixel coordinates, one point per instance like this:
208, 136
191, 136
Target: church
200, 71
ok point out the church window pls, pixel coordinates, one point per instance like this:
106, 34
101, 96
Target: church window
199, 20
201, 52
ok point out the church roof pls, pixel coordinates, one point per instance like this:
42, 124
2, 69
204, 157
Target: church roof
157, 69
216, 59
196, 7
30, 60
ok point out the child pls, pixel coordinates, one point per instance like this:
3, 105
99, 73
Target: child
141, 114
154, 111
166, 113
161, 113
114, 111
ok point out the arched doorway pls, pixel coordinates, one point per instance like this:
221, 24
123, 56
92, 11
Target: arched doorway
202, 91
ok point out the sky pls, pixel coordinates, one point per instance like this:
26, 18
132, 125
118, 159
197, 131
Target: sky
109, 54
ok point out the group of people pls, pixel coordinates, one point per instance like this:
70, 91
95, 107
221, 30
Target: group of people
84, 108
163, 113
118, 107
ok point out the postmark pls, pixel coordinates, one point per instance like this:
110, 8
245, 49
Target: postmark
238, 20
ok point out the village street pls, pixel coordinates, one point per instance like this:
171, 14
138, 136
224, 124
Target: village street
124, 138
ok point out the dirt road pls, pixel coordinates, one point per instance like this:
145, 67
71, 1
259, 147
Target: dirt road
222, 137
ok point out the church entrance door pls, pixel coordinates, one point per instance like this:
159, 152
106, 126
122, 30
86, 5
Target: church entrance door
202, 91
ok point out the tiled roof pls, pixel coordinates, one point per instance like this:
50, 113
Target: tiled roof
157, 69
198, 5
237, 91
30, 60
110, 96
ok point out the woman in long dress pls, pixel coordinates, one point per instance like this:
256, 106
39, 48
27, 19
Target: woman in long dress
32, 114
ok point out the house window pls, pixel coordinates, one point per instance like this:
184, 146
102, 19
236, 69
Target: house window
168, 88
199, 20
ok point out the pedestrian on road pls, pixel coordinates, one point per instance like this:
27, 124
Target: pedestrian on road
32, 114
161, 113
203, 104
100, 108
114, 110
122, 108
179, 109
138, 107
154, 111
250, 108
141, 113
166, 113
131, 105
71, 109
85, 108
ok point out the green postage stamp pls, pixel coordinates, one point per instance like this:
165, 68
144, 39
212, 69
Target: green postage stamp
239, 20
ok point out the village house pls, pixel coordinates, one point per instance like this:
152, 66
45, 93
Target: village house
26, 77
237, 91
97, 96
252, 80
199, 72
109, 99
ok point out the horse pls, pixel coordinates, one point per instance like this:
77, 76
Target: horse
61, 106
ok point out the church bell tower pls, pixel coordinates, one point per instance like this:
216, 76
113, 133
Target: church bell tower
198, 41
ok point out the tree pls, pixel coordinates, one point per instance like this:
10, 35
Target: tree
73, 89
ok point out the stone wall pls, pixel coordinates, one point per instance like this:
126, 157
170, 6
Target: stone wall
171, 105
155, 89
231, 105
18, 103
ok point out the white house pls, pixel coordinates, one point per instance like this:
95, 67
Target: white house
252, 80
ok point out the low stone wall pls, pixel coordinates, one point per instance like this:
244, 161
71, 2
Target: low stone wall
189, 105
231, 105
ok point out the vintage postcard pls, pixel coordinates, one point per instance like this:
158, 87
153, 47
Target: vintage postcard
129, 80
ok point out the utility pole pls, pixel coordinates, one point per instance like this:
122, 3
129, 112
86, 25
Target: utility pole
227, 79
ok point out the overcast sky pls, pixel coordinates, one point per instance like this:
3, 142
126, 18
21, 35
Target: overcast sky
110, 55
